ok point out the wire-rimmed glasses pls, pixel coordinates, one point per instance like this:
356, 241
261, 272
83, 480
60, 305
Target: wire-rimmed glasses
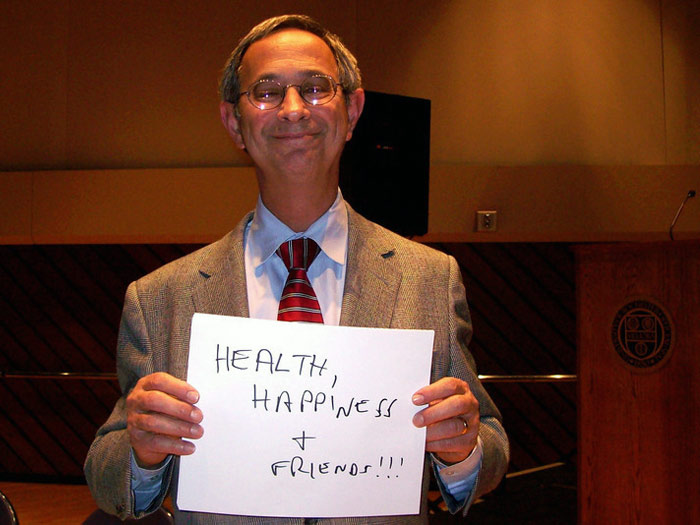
315, 90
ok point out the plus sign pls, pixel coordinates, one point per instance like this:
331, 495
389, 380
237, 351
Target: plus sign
301, 440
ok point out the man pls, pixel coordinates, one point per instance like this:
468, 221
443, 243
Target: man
291, 97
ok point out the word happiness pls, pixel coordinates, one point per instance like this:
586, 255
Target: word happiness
305, 401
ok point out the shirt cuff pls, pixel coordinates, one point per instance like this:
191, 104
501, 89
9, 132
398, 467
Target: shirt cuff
459, 479
146, 483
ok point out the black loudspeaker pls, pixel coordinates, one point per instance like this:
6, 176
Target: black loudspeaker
385, 167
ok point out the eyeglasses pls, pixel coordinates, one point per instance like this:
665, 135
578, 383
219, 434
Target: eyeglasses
315, 91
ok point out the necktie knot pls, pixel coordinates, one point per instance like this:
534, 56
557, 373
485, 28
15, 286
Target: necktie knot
298, 301
298, 253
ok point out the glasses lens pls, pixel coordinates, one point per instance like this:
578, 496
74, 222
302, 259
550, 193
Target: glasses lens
266, 94
317, 90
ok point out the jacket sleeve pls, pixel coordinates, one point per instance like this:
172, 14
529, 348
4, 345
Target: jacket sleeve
461, 364
108, 463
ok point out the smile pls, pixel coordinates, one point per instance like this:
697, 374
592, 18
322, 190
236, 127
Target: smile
295, 136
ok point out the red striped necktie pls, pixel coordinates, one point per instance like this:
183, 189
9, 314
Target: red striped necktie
299, 302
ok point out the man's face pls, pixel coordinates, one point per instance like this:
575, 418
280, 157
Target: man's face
295, 139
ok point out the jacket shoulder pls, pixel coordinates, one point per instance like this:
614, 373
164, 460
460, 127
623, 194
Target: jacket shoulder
187, 270
393, 244
182, 268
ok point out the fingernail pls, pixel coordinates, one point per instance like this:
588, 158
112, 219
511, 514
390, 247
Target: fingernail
196, 415
418, 399
194, 430
418, 420
192, 396
187, 447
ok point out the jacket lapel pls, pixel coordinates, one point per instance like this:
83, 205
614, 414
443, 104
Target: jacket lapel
372, 280
222, 290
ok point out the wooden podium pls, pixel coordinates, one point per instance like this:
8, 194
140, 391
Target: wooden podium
639, 382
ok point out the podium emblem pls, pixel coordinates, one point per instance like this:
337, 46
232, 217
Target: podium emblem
642, 334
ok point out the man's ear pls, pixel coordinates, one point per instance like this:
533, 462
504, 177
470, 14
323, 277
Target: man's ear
232, 122
356, 101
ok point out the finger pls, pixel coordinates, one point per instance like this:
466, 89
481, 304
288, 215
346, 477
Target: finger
463, 443
440, 389
465, 406
154, 423
152, 449
442, 441
171, 385
145, 401
453, 450
161, 392
153, 436
449, 428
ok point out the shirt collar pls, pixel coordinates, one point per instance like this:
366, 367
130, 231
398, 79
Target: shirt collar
330, 231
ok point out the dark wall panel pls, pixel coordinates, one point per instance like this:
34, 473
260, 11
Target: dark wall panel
60, 309
522, 302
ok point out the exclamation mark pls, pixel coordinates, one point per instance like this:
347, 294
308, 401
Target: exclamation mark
381, 462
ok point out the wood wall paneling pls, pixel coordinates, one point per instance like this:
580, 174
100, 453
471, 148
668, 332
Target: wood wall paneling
638, 430
176, 205
15, 208
563, 203
552, 203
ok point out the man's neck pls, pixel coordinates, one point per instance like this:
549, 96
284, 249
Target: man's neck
298, 207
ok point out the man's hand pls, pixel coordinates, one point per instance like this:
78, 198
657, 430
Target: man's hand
451, 418
160, 413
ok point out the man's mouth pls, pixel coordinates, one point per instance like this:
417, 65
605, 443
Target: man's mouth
294, 135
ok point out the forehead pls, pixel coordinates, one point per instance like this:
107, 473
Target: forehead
288, 53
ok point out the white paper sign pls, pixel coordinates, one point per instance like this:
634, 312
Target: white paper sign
305, 420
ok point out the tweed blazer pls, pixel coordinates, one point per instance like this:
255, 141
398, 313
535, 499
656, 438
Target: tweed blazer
390, 282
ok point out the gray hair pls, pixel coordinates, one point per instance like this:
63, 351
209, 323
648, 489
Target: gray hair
348, 72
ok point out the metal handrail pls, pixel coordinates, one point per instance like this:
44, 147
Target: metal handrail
529, 378
58, 375
111, 376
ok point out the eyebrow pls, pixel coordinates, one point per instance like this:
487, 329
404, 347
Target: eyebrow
305, 73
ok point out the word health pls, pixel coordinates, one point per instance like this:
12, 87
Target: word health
265, 360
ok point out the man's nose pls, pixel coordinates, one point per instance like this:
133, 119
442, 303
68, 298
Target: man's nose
293, 106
